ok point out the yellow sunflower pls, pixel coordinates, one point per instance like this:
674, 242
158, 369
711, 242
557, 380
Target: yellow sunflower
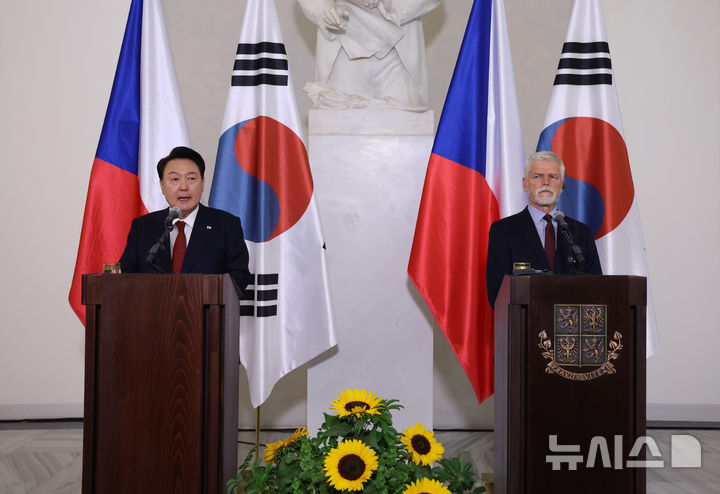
299, 432
349, 465
422, 444
356, 402
272, 448
426, 486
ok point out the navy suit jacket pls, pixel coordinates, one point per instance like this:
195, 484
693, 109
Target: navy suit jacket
515, 239
216, 246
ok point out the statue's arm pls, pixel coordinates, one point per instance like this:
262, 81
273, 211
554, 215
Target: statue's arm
410, 10
314, 9
326, 15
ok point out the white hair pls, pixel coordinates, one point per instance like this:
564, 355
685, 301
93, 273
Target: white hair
544, 156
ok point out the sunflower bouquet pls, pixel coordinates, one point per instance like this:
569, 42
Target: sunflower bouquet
356, 449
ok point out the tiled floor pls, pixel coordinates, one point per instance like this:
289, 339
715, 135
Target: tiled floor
48, 460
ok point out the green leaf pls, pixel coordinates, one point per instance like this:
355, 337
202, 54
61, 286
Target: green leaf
340, 429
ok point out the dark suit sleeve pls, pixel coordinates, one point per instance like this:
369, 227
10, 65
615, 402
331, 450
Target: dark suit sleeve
237, 255
129, 258
499, 262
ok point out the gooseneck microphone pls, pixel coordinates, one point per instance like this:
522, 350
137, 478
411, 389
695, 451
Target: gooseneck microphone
173, 214
577, 259
559, 217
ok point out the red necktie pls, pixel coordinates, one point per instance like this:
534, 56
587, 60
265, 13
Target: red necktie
549, 241
178, 255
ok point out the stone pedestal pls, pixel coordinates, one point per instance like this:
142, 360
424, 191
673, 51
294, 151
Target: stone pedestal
368, 168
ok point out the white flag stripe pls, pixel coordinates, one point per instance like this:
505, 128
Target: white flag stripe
260, 71
599, 54
162, 121
261, 55
505, 156
585, 71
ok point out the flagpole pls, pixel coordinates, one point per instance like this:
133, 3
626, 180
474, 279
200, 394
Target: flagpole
257, 434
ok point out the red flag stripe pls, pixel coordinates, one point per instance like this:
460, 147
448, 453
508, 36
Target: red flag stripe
113, 201
447, 263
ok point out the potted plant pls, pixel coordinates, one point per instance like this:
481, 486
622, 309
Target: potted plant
357, 449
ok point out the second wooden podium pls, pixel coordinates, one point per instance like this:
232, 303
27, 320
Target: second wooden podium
161, 381
570, 384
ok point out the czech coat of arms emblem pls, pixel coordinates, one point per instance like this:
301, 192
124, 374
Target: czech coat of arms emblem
580, 341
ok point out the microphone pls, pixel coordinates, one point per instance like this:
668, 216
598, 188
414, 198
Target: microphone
578, 259
559, 217
160, 244
173, 214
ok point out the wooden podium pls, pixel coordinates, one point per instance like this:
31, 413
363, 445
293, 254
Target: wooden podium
161, 380
569, 363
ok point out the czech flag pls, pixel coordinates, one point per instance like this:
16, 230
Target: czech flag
583, 126
143, 122
262, 175
474, 177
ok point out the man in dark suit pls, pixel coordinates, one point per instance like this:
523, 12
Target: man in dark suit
532, 235
203, 240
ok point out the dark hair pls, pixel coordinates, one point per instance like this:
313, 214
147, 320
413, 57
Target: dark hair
181, 152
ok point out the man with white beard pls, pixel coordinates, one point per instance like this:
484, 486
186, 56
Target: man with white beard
532, 235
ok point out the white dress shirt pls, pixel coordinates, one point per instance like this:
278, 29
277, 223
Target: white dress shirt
189, 222
538, 218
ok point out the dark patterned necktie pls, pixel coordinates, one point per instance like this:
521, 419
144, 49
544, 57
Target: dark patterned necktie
549, 241
178, 255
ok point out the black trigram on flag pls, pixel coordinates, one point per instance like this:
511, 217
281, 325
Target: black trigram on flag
260, 63
584, 64
260, 299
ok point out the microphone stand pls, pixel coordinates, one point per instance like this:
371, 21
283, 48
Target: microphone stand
577, 259
159, 245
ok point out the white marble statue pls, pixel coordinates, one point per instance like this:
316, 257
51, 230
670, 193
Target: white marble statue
370, 53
